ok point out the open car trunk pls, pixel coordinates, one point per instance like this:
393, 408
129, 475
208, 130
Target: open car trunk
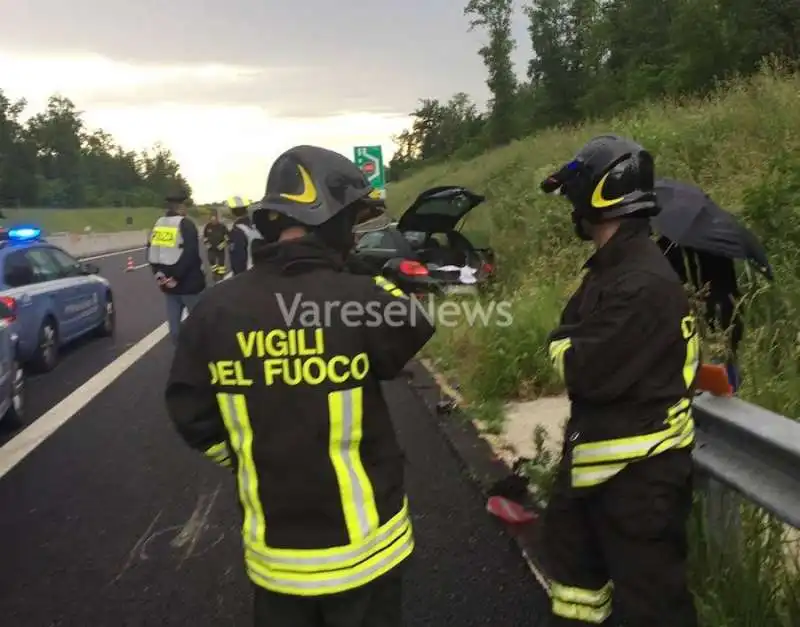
431, 225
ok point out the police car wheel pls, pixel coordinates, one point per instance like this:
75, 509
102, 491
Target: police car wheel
109, 324
46, 356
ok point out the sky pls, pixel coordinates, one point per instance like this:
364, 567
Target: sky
228, 85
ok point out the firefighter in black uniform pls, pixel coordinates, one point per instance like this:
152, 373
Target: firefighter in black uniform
215, 237
628, 351
266, 379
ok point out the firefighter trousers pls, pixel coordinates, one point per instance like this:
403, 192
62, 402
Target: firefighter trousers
622, 545
378, 604
216, 259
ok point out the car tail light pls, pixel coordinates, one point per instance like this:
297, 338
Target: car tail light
487, 268
413, 268
8, 308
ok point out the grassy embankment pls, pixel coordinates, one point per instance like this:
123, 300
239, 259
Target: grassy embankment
742, 145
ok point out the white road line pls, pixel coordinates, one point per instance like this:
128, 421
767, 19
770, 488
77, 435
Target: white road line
15, 450
114, 254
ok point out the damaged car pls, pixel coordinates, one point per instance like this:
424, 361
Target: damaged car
425, 251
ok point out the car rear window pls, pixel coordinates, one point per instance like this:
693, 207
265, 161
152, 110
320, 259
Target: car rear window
452, 206
375, 239
415, 238
17, 270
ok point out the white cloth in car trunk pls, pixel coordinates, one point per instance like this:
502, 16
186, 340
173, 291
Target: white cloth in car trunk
466, 273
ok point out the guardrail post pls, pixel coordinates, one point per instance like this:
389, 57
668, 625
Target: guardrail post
722, 513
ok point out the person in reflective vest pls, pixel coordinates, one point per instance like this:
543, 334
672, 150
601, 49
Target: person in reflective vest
293, 403
215, 237
173, 252
242, 236
628, 350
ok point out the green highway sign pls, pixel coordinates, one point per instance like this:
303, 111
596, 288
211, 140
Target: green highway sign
369, 159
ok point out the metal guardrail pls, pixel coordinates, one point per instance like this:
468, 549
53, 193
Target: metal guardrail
748, 450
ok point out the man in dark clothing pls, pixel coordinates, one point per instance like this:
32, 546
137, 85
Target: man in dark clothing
292, 399
243, 235
628, 350
173, 252
215, 237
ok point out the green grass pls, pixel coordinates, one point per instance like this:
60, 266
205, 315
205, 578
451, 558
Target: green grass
742, 145
100, 220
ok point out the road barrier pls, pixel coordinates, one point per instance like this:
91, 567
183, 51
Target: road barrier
86, 244
743, 450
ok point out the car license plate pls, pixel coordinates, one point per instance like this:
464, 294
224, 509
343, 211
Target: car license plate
460, 289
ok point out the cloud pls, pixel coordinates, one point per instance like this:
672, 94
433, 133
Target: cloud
225, 151
383, 55
228, 85
99, 81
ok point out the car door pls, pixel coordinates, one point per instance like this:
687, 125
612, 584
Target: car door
88, 303
61, 290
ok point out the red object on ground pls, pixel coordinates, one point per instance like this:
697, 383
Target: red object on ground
509, 511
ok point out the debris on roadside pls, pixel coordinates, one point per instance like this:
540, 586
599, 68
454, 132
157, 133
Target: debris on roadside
446, 405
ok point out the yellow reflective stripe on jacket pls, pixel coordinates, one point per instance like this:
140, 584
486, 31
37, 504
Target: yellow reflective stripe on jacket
336, 558
219, 454
233, 408
164, 236
387, 285
681, 426
332, 581
692, 362
558, 350
596, 462
358, 499
588, 606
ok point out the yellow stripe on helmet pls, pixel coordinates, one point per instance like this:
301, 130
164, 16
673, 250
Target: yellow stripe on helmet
235, 202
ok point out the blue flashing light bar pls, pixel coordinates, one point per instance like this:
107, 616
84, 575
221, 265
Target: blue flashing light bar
24, 233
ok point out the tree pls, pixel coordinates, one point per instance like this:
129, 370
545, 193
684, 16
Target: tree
53, 160
495, 17
592, 58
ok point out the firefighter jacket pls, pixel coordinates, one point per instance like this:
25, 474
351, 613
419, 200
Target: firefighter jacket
173, 249
215, 235
278, 373
628, 350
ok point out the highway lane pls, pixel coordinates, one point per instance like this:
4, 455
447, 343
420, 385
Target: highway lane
113, 522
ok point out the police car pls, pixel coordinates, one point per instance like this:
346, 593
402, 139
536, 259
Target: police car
49, 298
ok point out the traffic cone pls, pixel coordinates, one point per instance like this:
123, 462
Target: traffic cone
129, 267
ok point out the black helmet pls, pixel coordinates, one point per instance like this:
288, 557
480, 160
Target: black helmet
177, 196
610, 177
311, 185
317, 189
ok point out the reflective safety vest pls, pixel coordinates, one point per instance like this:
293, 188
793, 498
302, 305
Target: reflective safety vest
252, 234
166, 241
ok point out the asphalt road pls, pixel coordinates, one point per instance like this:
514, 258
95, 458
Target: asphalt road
99, 524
